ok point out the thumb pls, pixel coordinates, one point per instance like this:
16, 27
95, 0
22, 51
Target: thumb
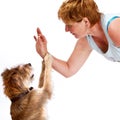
35, 38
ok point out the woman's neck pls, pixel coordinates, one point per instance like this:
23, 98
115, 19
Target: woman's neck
97, 31
98, 34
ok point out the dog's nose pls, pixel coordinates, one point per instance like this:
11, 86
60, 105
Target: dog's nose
29, 64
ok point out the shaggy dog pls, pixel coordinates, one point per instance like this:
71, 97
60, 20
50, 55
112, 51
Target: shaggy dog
28, 103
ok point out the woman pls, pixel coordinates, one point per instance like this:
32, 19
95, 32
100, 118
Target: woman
93, 30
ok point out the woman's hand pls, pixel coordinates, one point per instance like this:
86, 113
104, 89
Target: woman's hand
41, 43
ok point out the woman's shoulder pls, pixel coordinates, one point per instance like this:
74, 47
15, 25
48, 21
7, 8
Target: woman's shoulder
107, 18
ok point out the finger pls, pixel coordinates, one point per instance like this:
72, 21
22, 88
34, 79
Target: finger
39, 31
43, 38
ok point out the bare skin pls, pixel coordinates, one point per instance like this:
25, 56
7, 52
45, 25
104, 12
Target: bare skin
82, 49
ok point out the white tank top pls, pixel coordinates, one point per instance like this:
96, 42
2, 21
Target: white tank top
113, 52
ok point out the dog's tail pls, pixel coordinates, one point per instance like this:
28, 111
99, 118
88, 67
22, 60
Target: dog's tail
45, 77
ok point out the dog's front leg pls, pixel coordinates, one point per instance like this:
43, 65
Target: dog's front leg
41, 79
45, 77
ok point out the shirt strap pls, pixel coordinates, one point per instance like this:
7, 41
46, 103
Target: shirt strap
111, 20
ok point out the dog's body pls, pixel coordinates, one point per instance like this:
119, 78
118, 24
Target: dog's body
28, 103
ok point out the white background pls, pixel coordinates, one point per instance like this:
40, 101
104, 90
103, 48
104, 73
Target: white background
92, 94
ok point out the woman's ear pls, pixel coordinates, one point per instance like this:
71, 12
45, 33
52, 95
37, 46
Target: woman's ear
86, 21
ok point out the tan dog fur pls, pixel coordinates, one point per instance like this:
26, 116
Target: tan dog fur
28, 104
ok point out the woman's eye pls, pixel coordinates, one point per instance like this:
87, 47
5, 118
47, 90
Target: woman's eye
69, 26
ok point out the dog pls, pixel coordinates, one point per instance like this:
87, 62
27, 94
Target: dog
28, 103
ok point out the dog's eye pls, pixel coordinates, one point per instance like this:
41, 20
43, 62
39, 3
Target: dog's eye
13, 73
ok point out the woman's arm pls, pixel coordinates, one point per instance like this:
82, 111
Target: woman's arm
73, 64
76, 60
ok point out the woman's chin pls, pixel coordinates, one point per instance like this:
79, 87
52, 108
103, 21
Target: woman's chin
75, 35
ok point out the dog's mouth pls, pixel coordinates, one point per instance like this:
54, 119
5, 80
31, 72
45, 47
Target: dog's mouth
30, 66
32, 76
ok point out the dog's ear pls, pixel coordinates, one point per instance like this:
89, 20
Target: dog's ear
5, 72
